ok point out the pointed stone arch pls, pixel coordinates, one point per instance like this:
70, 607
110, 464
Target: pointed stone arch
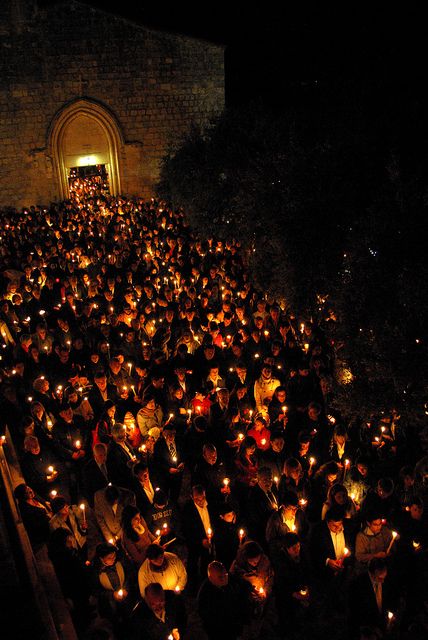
105, 128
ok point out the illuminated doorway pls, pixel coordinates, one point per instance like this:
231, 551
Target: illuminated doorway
82, 135
88, 181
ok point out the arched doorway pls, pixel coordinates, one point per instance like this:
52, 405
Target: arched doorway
85, 139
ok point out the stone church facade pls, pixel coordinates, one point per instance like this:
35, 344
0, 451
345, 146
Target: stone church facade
81, 87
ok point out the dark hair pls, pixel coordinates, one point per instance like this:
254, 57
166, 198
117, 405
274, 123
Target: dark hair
104, 549
160, 498
154, 551
112, 494
290, 499
335, 513
129, 512
251, 549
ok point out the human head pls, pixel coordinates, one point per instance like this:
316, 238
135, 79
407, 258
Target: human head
199, 495
334, 518
217, 574
264, 478
155, 554
154, 596
210, 453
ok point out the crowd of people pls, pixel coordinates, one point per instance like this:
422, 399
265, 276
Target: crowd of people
179, 442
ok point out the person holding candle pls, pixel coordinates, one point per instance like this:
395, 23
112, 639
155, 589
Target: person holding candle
371, 595
112, 585
71, 440
221, 592
102, 431
136, 535
330, 542
229, 533
264, 387
161, 614
293, 581
100, 393
70, 517
260, 433
109, 503
164, 567
211, 474
150, 415
275, 455
288, 518
35, 513
40, 469
262, 501
253, 566
338, 495
120, 458
246, 465
198, 521
373, 541
168, 459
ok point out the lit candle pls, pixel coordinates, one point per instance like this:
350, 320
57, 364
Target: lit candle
209, 534
130, 368
302, 327
120, 593
158, 532
189, 413
311, 463
77, 444
82, 507
276, 480
241, 534
251, 413
177, 589
51, 470
240, 436
347, 463
263, 442
306, 347
416, 545
226, 482
394, 537
53, 493
2, 440
303, 502
304, 591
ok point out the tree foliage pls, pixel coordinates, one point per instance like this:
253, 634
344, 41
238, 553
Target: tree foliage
323, 209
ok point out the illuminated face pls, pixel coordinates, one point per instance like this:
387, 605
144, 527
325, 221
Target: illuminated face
210, 456
109, 559
375, 525
335, 526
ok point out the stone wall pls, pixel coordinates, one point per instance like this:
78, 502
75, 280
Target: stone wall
156, 85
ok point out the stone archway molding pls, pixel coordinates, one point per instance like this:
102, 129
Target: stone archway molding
105, 119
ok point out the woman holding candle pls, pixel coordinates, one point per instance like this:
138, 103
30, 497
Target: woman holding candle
260, 433
136, 536
150, 415
246, 466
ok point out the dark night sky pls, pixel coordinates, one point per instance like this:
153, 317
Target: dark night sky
277, 48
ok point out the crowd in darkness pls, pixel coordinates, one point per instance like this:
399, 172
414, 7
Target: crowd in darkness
176, 429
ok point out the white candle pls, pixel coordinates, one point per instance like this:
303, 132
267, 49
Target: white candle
82, 507
394, 537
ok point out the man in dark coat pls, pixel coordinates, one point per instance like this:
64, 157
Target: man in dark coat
159, 616
198, 531
371, 596
222, 604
